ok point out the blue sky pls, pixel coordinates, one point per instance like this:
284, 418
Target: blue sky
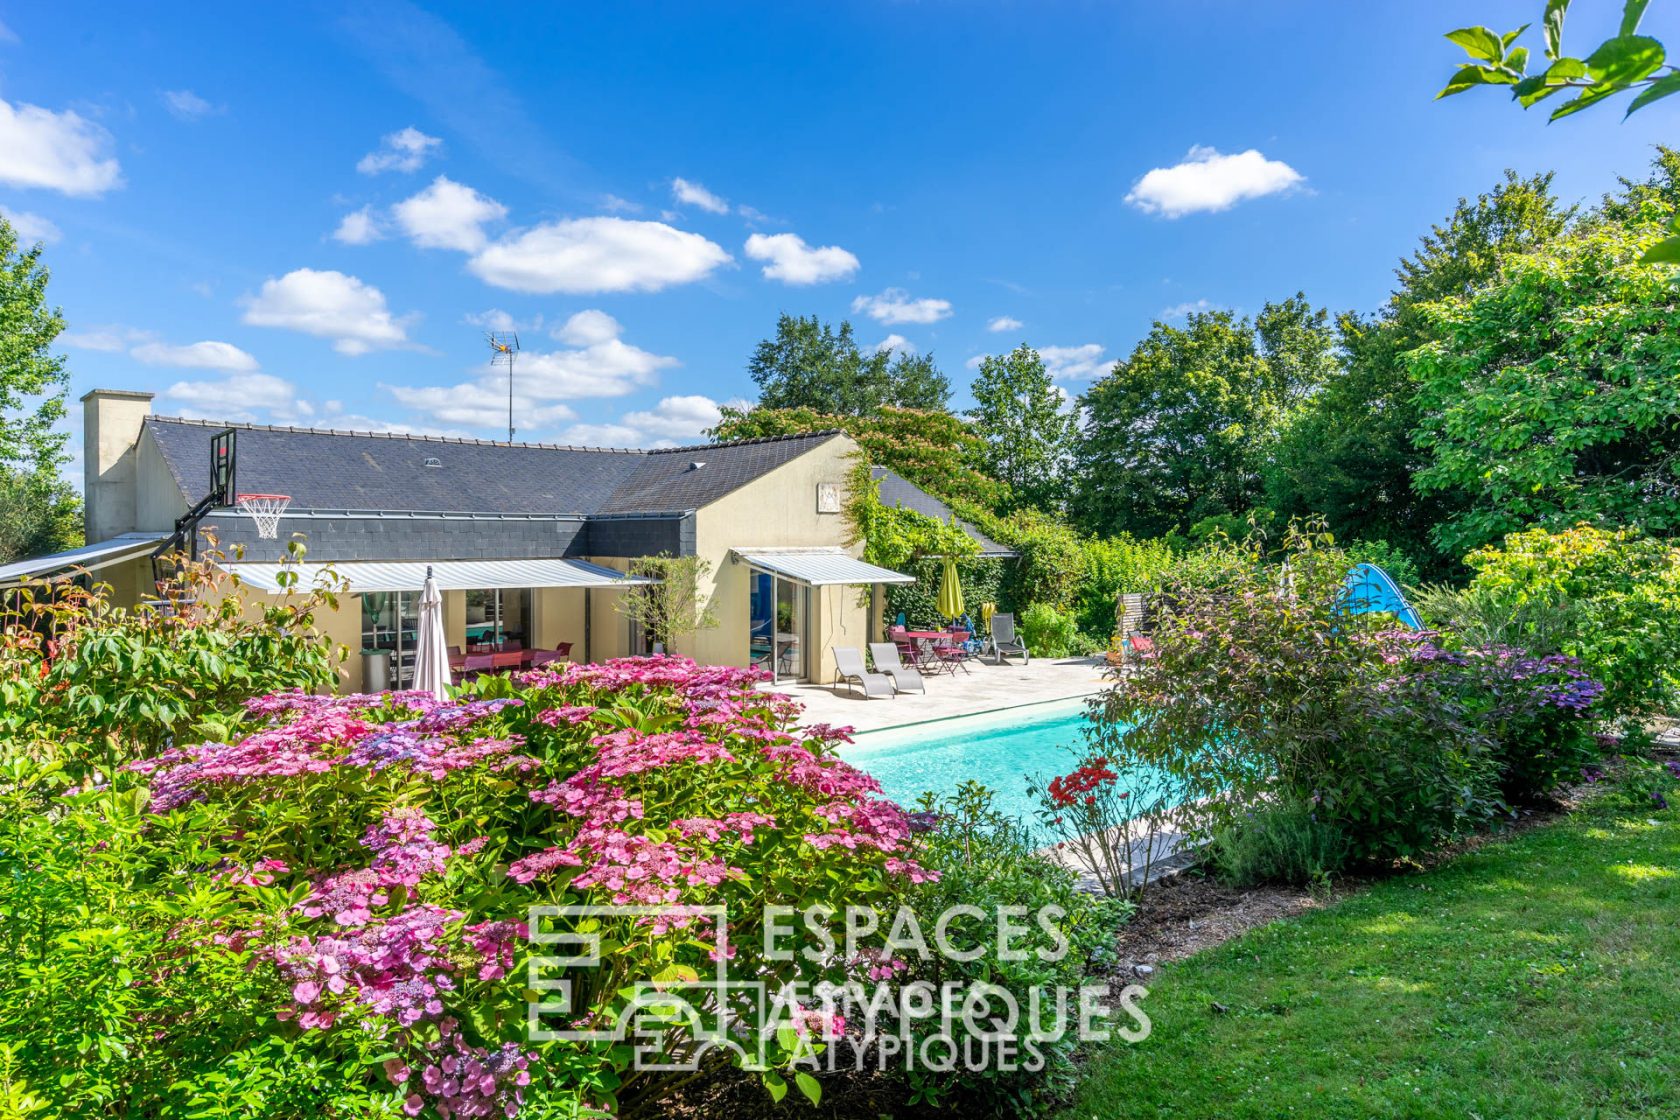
299, 215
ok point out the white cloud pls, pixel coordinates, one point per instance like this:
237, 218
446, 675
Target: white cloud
895, 342
359, 227
895, 306
1004, 323
977, 361
237, 397
693, 194
679, 418
107, 339
601, 435
29, 227
62, 152
599, 363
448, 215
1181, 310
589, 255
7, 35
1207, 181
481, 404
588, 328
328, 304
613, 204
794, 262
186, 105
403, 150
197, 355
1073, 363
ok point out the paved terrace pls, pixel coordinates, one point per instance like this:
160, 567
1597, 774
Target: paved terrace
986, 687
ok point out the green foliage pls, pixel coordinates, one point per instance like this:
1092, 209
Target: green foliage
1278, 844
809, 364
1027, 438
32, 378
1261, 691
39, 514
113, 683
981, 579
1180, 430
673, 607
1552, 395
990, 861
1610, 598
1049, 633
1113, 566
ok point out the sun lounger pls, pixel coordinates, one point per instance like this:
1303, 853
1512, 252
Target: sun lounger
848, 665
1005, 641
904, 677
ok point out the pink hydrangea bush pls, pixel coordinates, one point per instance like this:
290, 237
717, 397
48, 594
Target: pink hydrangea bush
386, 851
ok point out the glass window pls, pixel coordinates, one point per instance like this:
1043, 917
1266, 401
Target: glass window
498, 616
391, 621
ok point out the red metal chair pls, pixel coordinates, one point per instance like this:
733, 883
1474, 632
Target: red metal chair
563, 649
476, 663
502, 662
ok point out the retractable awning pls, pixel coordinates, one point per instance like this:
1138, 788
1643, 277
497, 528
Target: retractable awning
451, 575
90, 556
819, 567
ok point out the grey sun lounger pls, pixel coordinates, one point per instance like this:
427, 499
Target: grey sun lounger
1005, 641
848, 667
905, 677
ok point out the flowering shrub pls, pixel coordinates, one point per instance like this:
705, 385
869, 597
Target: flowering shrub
346, 887
1264, 695
1114, 825
1609, 598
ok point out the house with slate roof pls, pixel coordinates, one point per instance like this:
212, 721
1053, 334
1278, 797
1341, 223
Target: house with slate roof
530, 543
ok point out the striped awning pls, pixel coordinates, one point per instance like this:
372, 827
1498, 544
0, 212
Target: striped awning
451, 575
819, 567
90, 557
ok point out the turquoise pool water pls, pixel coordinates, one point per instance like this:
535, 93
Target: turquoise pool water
999, 750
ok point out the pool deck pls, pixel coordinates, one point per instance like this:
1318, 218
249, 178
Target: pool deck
985, 688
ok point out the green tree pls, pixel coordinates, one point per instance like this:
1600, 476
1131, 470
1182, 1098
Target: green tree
1348, 456
809, 364
1181, 430
1552, 395
37, 510
1026, 435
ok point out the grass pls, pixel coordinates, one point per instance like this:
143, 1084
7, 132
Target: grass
1534, 977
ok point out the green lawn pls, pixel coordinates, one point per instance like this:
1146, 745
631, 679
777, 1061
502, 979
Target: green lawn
1536, 977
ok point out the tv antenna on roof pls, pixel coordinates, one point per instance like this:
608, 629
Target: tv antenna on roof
504, 346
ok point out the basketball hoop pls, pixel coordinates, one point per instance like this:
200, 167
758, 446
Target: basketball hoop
264, 510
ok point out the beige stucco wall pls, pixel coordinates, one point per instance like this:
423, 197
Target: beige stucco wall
559, 618
157, 499
778, 510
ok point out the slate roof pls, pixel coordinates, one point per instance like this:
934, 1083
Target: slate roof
335, 470
900, 493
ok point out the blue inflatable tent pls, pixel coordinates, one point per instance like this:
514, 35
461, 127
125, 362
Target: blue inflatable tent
1368, 588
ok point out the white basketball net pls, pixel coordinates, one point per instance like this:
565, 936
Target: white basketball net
264, 510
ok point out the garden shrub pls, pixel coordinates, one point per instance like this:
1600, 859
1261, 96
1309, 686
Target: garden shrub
1278, 844
324, 913
918, 601
75, 669
1049, 633
1613, 594
988, 860
1262, 691
1113, 566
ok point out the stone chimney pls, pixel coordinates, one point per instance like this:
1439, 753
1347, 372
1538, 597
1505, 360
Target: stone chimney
111, 421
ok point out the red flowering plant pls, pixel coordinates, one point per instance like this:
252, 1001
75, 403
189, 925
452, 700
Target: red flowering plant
1111, 823
379, 857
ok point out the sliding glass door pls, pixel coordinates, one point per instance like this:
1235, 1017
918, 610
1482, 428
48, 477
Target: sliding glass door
778, 610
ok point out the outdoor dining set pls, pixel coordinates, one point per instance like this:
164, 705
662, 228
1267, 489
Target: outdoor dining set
506, 657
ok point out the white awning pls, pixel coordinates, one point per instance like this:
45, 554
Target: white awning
451, 575
819, 567
89, 556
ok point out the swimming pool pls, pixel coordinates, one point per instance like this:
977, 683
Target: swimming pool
1000, 750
